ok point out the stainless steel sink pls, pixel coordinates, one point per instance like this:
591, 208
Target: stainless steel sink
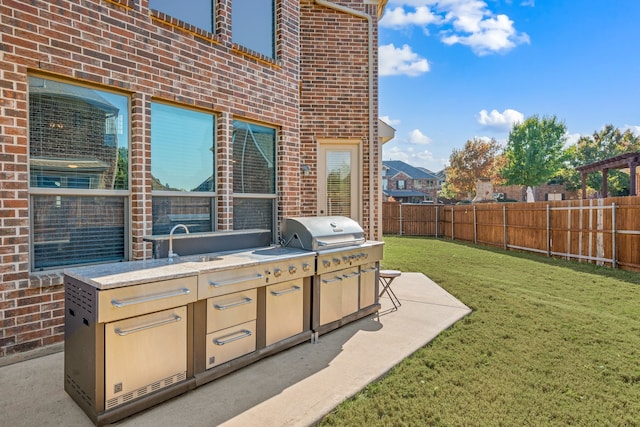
199, 258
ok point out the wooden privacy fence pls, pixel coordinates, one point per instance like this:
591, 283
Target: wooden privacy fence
603, 231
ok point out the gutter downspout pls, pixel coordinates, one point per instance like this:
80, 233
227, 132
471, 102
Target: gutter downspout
369, 20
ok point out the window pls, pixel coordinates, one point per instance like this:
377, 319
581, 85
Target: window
254, 176
252, 25
198, 13
182, 168
79, 174
401, 184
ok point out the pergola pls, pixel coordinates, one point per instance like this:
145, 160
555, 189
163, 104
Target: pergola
623, 161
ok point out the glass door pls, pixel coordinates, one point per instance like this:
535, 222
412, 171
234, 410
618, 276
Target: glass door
339, 179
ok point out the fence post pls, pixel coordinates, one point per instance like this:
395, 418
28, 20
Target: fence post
401, 219
504, 222
475, 227
452, 215
436, 222
614, 261
548, 231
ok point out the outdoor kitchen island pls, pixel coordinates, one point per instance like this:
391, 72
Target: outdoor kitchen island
141, 332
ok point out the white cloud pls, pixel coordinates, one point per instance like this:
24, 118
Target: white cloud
466, 22
418, 138
398, 17
486, 36
401, 61
500, 121
421, 158
571, 139
634, 129
388, 120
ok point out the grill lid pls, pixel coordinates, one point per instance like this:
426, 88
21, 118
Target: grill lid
315, 233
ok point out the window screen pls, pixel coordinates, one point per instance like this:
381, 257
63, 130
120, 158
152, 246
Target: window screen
70, 230
78, 137
194, 212
252, 213
78, 140
254, 173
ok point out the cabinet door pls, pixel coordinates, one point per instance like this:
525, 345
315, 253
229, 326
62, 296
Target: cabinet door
330, 297
368, 285
350, 291
144, 353
285, 310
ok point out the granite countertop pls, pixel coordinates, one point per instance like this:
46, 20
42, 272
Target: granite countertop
119, 274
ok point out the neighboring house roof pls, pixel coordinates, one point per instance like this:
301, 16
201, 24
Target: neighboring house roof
396, 166
404, 193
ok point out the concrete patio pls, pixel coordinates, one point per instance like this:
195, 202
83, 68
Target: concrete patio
294, 388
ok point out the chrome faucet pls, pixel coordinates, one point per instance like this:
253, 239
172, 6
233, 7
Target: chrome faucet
171, 254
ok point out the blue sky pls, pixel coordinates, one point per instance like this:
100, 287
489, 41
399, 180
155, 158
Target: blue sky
453, 70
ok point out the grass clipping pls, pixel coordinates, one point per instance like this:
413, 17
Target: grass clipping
549, 342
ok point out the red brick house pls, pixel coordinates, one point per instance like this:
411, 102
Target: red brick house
408, 184
119, 117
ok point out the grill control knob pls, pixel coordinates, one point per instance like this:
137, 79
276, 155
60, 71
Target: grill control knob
277, 272
364, 255
336, 261
345, 259
292, 269
326, 263
305, 266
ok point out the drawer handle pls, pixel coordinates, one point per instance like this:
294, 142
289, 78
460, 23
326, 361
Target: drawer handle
245, 300
123, 332
369, 270
148, 298
294, 288
240, 334
234, 281
335, 279
349, 276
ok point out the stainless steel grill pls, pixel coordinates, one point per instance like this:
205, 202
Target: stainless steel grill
345, 284
321, 232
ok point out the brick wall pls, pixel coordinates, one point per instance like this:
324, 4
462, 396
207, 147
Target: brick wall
335, 92
318, 81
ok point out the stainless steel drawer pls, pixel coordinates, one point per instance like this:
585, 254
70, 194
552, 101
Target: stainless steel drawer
230, 343
368, 278
130, 301
285, 310
229, 281
232, 309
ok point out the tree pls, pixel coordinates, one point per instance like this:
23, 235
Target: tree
476, 160
535, 151
609, 142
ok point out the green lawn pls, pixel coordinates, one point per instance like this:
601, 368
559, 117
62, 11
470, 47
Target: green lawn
549, 343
